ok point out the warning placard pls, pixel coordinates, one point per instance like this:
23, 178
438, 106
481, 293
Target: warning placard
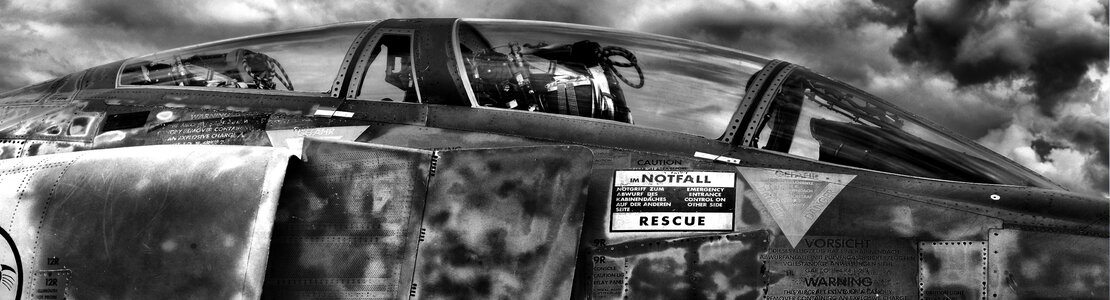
673, 201
795, 198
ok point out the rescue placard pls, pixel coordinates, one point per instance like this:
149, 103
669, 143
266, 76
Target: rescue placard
672, 201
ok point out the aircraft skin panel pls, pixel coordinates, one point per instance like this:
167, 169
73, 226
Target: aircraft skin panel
131, 230
11, 149
1035, 264
953, 269
870, 213
388, 112
199, 98
707, 267
359, 220
503, 223
348, 222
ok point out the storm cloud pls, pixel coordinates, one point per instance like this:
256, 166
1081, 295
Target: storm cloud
1053, 43
1026, 78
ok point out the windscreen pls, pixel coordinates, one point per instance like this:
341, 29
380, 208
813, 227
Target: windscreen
304, 61
648, 80
819, 118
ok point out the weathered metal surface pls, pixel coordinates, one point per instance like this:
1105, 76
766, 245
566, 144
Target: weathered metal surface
756, 265
953, 269
503, 223
48, 122
163, 125
39, 147
293, 139
749, 213
1028, 265
348, 222
842, 268
361, 221
118, 223
865, 212
11, 149
706, 267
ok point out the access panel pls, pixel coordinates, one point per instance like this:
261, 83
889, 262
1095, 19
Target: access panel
366, 221
138, 223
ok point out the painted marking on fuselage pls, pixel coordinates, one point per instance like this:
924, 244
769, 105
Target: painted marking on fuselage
293, 139
11, 269
794, 198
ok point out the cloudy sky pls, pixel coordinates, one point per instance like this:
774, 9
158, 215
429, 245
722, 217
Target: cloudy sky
1026, 78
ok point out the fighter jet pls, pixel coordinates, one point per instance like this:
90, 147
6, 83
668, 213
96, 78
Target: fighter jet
474, 159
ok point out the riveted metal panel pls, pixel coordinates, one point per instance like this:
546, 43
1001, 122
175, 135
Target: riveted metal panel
11, 149
1028, 264
348, 222
953, 269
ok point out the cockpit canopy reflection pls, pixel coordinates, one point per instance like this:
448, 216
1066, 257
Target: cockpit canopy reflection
603, 75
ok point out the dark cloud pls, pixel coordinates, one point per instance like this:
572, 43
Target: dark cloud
1043, 148
578, 12
977, 43
162, 24
1086, 135
1060, 69
8, 61
936, 39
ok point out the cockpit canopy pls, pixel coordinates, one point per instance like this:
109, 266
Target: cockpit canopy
237, 68
822, 119
648, 80
590, 73
301, 60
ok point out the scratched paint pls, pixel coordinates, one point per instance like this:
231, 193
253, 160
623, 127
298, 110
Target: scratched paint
503, 223
35, 148
1029, 264
348, 222
899, 217
41, 121
707, 267
953, 269
133, 231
